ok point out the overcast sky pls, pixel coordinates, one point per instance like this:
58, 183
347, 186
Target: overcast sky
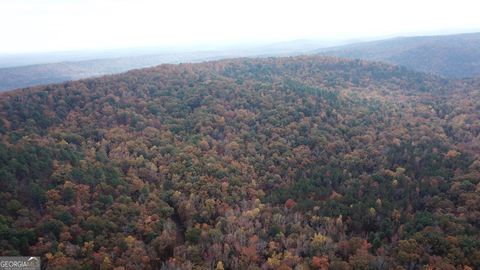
57, 25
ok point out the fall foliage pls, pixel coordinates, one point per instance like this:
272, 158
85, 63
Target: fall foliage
275, 163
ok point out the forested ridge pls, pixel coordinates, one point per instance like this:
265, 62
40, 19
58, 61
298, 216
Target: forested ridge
275, 163
450, 56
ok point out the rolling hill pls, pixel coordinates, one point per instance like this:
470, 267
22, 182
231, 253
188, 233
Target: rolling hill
276, 163
451, 56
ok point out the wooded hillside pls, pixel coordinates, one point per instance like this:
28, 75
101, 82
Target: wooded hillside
276, 163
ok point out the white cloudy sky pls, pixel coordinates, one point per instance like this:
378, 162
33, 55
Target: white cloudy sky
53, 25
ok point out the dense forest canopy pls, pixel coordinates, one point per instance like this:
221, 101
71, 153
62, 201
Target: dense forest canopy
275, 163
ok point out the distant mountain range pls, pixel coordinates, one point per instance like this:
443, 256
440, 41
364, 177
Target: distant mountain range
451, 56
37, 69
25, 76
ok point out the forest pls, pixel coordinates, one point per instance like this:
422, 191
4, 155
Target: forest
306, 162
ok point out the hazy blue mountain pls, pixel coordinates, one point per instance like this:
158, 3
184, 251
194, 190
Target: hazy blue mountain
453, 56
